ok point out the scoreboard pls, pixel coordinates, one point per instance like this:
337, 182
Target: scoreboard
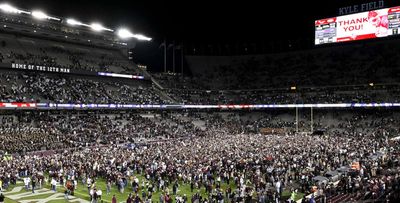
366, 25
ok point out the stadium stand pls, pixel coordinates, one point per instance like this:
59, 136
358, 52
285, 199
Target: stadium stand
210, 155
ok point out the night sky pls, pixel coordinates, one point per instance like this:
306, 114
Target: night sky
204, 20
201, 22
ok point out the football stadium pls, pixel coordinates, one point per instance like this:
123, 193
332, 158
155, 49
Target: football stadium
159, 111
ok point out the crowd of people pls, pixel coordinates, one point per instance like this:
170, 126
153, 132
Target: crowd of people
34, 131
260, 166
348, 64
365, 72
192, 91
44, 131
56, 53
286, 96
206, 150
28, 87
236, 156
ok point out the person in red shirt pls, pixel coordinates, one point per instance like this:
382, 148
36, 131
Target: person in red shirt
114, 199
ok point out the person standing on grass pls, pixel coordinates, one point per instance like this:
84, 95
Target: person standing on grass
53, 184
185, 199
121, 185
168, 199
143, 194
130, 199
89, 184
1, 197
114, 199
161, 198
26, 182
108, 186
94, 196
66, 193
99, 194
137, 199
175, 187
132, 180
33, 183
75, 183
40, 181
278, 185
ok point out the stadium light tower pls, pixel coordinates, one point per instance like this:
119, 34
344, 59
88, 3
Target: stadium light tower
7, 8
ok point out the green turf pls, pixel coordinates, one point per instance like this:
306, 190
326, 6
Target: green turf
286, 195
6, 200
42, 196
9, 200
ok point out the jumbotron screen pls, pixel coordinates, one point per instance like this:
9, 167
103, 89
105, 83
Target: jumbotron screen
366, 25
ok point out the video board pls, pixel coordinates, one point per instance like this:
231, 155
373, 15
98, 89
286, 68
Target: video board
366, 25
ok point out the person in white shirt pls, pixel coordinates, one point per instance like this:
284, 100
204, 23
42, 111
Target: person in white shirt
27, 180
278, 187
53, 184
99, 193
89, 184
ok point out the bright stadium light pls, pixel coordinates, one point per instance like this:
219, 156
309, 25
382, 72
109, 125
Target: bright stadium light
73, 22
41, 15
10, 9
98, 27
142, 37
124, 33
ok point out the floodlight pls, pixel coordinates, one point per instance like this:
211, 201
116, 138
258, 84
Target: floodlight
142, 37
8, 8
98, 27
124, 33
11, 9
73, 22
39, 15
